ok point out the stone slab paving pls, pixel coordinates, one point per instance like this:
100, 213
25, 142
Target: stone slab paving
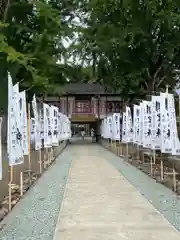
100, 203
161, 197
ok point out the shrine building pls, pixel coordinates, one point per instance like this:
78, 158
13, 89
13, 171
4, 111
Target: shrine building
86, 104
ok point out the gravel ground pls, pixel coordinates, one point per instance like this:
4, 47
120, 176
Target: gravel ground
35, 216
162, 198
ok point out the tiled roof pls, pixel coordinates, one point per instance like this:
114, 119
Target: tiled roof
84, 88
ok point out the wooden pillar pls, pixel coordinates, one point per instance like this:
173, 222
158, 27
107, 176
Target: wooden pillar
98, 108
106, 105
67, 106
91, 105
59, 103
112, 104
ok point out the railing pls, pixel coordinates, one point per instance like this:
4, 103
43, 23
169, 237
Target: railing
82, 113
86, 107
92, 109
95, 112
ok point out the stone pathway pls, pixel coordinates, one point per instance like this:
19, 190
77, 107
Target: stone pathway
99, 203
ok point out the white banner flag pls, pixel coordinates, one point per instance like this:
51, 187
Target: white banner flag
166, 136
102, 128
105, 129
69, 128
116, 126
173, 126
14, 143
55, 126
141, 125
62, 128
32, 127
65, 128
136, 127
147, 124
109, 127
41, 117
45, 115
37, 125
129, 127
50, 126
156, 122
59, 126
124, 130
23, 121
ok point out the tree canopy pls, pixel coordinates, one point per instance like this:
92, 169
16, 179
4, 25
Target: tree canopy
130, 46
134, 44
31, 34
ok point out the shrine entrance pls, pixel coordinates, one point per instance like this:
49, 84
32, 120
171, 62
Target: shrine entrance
76, 129
87, 127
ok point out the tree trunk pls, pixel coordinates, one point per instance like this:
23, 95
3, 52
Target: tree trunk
94, 66
150, 86
4, 7
124, 104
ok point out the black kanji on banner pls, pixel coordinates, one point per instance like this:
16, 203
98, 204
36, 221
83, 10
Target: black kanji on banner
157, 106
166, 104
159, 117
158, 133
20, 104
149, 119
148, 109
18, 136
55, 133
149, 132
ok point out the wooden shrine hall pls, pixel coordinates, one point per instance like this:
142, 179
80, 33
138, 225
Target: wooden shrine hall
86, 104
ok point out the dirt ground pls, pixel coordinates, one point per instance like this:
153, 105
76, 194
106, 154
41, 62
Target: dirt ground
35, 167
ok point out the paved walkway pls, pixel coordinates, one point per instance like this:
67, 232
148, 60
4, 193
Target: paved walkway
99, 203
83, 196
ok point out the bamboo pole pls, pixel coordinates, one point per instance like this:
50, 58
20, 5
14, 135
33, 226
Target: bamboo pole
29, 143
48, 153
45, 158
162, 170
52, 154
21, 183
154, 156
40, 161
174, 179
137, 156
151, 166
127, 152
10, 188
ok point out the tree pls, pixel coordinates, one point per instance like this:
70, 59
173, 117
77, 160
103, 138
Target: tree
31, 43
136, 43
